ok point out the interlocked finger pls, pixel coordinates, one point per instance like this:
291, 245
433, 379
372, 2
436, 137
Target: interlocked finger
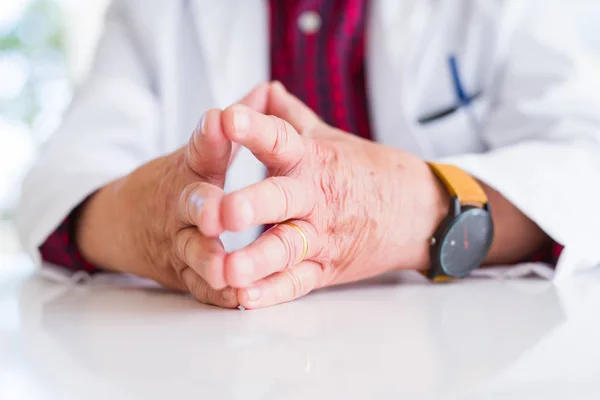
280, 248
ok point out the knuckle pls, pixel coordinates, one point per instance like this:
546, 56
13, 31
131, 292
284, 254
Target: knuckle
195, 285
294, 284
231, 114
193, 154
184, 203
203, 292
199, 289
182, 243
281, 136
189, 197
286, 198
195, 158
287, 244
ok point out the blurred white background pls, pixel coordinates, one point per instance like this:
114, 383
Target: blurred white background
45, 49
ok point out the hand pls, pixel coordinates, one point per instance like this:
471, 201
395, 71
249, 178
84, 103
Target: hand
364, 208
146, 223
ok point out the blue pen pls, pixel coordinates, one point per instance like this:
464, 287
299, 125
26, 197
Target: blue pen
461, 94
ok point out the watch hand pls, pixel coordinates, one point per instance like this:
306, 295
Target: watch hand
466, 237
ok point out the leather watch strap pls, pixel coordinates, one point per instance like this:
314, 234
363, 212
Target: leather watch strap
460, 184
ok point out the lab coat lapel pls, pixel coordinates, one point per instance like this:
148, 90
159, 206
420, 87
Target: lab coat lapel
236, 54
394, 31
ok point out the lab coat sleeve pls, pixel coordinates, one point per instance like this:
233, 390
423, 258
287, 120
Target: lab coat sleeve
110, 128
544, 133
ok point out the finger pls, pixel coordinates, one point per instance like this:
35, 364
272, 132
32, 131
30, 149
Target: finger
288, 107
203, 255
226, 298
282, 287
209, 151
278, 249
257, 100
272, 140
269, 201
199, 205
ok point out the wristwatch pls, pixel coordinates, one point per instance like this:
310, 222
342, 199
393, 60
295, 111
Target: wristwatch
464, 237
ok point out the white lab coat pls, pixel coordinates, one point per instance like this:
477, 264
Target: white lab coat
161, 64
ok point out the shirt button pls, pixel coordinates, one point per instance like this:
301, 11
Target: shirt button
309, 22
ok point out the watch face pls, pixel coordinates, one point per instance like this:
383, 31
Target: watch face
467, 242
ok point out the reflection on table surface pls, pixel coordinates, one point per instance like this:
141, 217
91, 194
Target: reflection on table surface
395, 335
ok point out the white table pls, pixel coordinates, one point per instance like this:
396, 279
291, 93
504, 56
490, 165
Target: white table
394, 337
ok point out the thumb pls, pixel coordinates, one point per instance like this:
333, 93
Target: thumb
288, 107
209, 152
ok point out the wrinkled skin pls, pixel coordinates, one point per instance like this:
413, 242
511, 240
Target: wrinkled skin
146, 223
365, 208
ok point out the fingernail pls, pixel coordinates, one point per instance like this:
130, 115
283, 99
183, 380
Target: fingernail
228, 294
197, 202
253, 293
200, 127
241, 122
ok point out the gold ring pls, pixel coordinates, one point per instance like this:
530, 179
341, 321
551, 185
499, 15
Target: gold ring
304, 239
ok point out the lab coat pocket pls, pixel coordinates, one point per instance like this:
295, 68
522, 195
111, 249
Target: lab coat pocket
457, 131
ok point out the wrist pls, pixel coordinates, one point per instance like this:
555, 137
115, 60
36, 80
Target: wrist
431, 199
96, 229
419, 203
